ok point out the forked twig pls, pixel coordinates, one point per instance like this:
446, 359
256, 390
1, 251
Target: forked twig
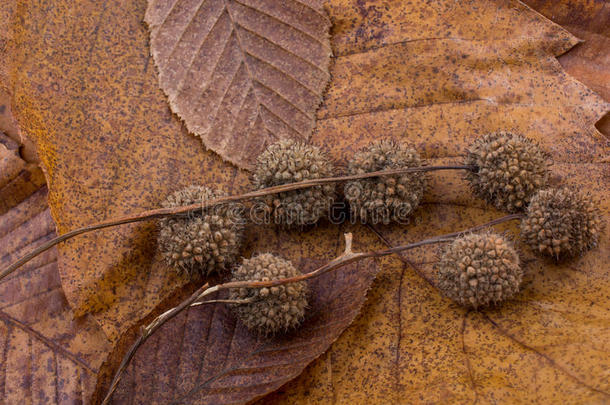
347, 257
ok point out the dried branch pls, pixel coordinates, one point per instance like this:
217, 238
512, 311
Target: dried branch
348, 256
149, 330
244, 301
166, 212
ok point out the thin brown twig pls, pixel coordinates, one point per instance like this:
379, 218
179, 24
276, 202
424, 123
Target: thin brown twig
244, 301
405, 260
400, 256
347, 257
166, 212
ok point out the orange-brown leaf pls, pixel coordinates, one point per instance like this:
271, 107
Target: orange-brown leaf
588, 61
109, 146
439, 75
241, 74
588, 20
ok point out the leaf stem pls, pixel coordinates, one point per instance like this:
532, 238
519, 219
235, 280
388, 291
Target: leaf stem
167, 212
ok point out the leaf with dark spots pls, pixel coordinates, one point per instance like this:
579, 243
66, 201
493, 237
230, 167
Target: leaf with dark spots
438, 75
88, 96
587, 61
241, 74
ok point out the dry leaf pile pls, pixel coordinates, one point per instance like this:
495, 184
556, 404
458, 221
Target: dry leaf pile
434, 74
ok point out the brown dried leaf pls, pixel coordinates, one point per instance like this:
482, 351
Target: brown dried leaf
109, 146
588, 61
18, 179
438, 76
205, 356
46, 355
241, 74
8, 124
7, 8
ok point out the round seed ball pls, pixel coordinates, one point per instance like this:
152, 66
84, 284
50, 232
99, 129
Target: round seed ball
509, 170
203, 241
274, 309
561, 222
385, 198
480, 269
288, 161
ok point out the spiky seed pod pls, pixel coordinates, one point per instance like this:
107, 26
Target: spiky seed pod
509, 169
203, 241
288, 161
561, 222
274, 309
386, 198
480, 269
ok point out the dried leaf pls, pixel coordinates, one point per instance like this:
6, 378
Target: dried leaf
7, 8
205, 356
588, 20
587, 61
109, 146
18, 179
47, 356
438, 76
241, 74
